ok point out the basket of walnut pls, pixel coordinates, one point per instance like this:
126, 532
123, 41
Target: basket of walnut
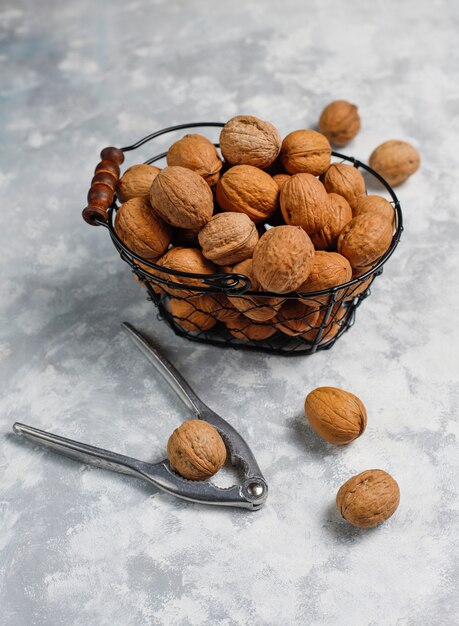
265, 244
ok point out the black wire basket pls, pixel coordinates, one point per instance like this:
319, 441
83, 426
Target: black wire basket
221, 309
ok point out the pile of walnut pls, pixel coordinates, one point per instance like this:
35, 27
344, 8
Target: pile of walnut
204, 215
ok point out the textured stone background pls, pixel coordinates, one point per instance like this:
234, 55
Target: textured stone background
82, 546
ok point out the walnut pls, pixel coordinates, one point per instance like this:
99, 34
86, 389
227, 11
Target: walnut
395, 161
182, 197
136, 182
257, 308
196, 153
196, 450
191, 313
228, 238
281, 179
365, 239
283, 259
219, 307
368, 499
345, 180
296, 318
188, 260
340, 213
245, 330
246, 140
305, 151
340, 122
336, 415
304, 202
247, 189
329, 269
374, 204
334, 324
141, 229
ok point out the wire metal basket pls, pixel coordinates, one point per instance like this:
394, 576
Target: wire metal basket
221, 309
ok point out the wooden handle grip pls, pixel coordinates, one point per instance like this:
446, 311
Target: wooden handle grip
103, 185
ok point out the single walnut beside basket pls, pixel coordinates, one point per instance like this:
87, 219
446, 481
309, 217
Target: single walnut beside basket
247, 189
247, 140
136, 182
182, 197
198, 154
305, 151
368, 499
196, 450
141, 230
336, 415
304, 202
228, 238
395, 160
340, 122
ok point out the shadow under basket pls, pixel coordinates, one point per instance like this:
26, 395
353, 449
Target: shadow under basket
221, 309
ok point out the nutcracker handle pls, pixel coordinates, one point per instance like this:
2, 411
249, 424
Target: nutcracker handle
103, 185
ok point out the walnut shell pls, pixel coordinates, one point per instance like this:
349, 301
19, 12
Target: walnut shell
340, 213
182, 197
136, 182
329, 270
283, 259
331, 328
296, 318
304, 202
141, 229
198, 154
196, 450
245, 330
345, 180
362, 286
257, 308
281, 179
336, 415
368, 499
395, 160
228, 238
188, 260
374, 204
247, 140
191, 313
365, 239
340, 122
305, 151
247, 189
219, 307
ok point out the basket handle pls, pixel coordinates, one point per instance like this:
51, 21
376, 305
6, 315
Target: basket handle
103, 185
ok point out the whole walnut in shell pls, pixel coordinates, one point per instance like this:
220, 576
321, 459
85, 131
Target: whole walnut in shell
345, 180
196, 450
136, 182
340, 122
246, 330
188, 260
304, 202
331, 327
228, 238
258, 308
247, 140
395, 160
219, 307
141, 229
198, 154
336, 415
247, 189
362, 286
365, 239
374, 204
340, 213
182, 197
296, 318
283, 259
305, 151
191, 313
281, 179
329, 269
368, 499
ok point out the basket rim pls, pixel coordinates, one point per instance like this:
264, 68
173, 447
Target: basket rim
233, 283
